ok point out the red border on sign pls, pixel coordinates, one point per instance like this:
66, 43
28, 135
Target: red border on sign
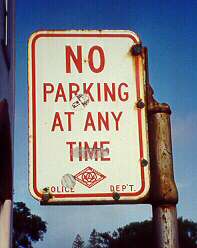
139, 112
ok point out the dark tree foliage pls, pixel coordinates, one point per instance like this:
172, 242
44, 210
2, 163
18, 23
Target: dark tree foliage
187, 234
94, 240
78, 242
141, 234
27, 227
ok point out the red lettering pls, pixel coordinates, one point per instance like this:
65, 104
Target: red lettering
80, 151
103, 156
116, 119
57, 122
124, 187
125, 94
69, 114
91, 152
73, 90
71, 143
66, 189
53, 189
117, 188
109, 92
89, 122
112, 188
103, 121
99, 92
76, 59
48, 88
87, 90
60, 93
91, 61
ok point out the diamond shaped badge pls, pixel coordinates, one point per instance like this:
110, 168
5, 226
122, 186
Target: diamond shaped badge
89, 177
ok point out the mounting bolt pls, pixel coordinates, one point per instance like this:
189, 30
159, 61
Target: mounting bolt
140, 104
46, 194
46, 190
116, 196
144, 162
136, 49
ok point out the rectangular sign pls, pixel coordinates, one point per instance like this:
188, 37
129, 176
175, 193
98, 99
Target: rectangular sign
87, 117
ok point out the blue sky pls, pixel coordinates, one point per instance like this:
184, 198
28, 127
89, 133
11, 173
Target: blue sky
168, 29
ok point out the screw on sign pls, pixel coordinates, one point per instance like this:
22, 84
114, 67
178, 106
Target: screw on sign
86, 97
68, 181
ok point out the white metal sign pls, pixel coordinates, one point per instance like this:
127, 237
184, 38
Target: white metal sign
87, 138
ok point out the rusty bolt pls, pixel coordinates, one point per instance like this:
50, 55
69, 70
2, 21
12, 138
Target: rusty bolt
116, 196
46, 190
144, 162
140, 104
46, 194
46, 197
136, 49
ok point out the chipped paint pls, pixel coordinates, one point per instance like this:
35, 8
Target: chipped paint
68, 181
91, 153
